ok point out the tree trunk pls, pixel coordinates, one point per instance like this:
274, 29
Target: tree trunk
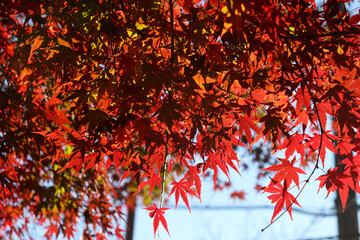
347, 220
130, 218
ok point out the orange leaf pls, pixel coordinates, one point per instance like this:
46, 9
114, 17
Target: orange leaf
36, 44
64, 43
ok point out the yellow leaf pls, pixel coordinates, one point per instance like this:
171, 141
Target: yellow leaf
132, 34
68, 150
43, 211
112, 71
140, 26
226, 28
243, 7
227, 25
64, 43
36, 44
292, 30
55, 209
340, 50
225, 10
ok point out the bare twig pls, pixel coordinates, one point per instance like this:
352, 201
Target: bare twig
167, 131
319, 149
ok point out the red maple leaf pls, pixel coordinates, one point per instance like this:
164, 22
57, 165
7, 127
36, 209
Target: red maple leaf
193, 174
320, 141
354, 20
286, 171
51, 229
336, 179
246, 124
182, 188
118, 232
153, 179
281, 196
352, 167
292, 144
158, 215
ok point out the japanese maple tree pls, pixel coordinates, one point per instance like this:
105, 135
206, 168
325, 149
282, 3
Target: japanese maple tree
101, 99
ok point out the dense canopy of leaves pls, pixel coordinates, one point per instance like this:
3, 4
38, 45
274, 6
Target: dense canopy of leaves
103, 98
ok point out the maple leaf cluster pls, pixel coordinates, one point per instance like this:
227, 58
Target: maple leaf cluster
102, 99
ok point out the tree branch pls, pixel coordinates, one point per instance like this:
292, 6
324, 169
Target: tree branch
319, 149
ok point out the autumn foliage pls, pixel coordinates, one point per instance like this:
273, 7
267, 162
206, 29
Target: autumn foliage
101, 99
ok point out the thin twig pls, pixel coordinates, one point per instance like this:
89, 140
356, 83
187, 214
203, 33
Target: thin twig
319, 149
164, 171
167, 130
302, 189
